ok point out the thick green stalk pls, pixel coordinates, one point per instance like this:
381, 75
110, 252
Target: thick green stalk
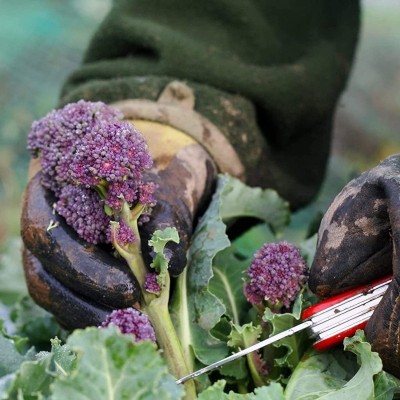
169, 343
156, 307
254, 363
157, 310
181, 317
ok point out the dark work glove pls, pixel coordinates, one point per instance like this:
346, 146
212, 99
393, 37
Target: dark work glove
268, 109
81, 283
359, 240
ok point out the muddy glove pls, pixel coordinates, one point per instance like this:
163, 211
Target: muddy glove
262, 112
358, 241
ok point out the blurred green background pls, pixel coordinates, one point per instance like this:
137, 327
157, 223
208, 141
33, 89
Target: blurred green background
41, 42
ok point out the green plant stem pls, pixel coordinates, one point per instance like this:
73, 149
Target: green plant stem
258, 380
182, 317
135, 261
242, 388
157, 310
156, 307
169, 343
132, 253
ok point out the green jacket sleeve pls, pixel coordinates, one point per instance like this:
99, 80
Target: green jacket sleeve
267, 73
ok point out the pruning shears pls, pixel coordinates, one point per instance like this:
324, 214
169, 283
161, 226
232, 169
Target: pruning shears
328, 321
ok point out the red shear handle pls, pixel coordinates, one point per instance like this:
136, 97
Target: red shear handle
333, 301
340, 311
338, 338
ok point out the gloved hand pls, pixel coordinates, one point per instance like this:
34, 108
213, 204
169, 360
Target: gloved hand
359, 241
269, 108
80, 283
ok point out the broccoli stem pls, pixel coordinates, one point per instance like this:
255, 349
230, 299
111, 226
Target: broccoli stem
168, 341
156, 307
181, 317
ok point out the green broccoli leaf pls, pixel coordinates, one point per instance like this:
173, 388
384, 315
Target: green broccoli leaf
240, 200
35, 323
325, 376
235, 371
289, 350
227, 283
386, 386
14, 351
110, 365
33, 378
308, 248
158, 241
242, 337
229, 266
194, 301
274, 391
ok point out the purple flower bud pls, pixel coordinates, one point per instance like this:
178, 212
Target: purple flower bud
131, 321
151, 284
146, 192
125, 234
83, 211
276, 274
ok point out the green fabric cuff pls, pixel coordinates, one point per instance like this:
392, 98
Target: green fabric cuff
268, 74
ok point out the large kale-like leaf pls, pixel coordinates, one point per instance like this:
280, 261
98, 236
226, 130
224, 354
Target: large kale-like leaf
32, 380
35, 323
14, 350
194, 308
229, 266
93, 364
111, 366
386, 386
240, 200
194, 301
324, 376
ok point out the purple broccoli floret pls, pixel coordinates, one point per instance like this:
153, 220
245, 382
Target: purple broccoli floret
151, 284
276, 274
114, 155
84, 212
56, 137
131, 321
85, 145
124, 234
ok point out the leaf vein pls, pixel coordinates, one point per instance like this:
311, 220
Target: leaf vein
230, 294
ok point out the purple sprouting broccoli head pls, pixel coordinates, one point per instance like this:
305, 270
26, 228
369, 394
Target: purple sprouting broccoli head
131, 322
86, 150
276, 274
57, 137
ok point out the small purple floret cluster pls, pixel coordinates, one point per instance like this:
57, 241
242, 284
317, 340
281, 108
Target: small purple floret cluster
86, 147
84, 212
276, 274
125, 234
133, 322
151, 284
